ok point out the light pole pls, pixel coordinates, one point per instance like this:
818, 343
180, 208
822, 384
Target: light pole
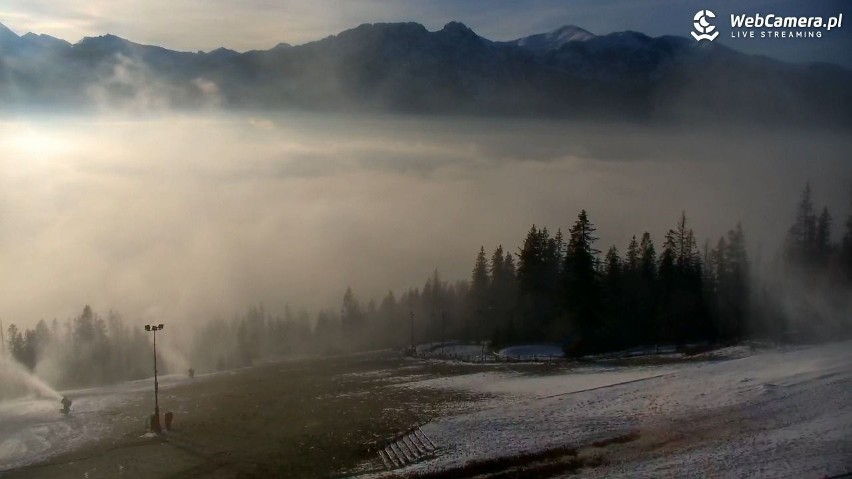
443, 330
484, 330
484, 336
413, 349
155, 424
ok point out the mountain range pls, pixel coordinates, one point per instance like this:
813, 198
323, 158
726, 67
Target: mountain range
405, 68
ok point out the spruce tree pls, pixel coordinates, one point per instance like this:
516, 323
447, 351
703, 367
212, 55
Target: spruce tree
737, 290
683, 311
503, 295
351, 319
580, 283
646, 292
478, 296
631, 260
530, 263
648, 257
613, 263
498, 270
480, 280
537, 283
618, 330
822, 241
801, 237
668, 282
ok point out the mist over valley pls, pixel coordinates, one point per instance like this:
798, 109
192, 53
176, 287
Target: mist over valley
185, 218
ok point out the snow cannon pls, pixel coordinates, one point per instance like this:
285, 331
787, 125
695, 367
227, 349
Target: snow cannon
66, 405
155, 423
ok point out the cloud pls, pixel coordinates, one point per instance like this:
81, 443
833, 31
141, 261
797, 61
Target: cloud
187, 218
127, 86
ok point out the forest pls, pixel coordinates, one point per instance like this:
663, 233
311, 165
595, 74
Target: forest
557, 288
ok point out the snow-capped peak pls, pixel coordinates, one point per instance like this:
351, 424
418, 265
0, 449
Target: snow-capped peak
554, 39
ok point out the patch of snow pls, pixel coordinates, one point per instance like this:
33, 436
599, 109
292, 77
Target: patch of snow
526, 386
34, 429
781, 413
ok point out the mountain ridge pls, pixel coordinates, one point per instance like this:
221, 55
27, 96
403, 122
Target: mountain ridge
404, 67
554, 38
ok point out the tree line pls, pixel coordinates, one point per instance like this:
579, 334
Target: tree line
82, 351
557, 288
560, 288
809, 294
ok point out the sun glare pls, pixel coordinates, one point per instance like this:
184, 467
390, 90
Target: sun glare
34, 143
38, 143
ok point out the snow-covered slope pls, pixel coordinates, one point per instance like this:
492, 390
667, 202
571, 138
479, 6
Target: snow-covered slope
776, 414
555, 39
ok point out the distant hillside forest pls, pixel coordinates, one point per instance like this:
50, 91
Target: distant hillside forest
557, 288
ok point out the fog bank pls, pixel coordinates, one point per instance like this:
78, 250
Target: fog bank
185, 218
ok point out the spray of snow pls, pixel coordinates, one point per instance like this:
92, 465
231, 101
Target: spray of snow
16, 381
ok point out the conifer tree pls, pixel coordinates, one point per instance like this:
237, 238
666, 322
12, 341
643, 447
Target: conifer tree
503, 296
509, 264
737, 291
613, 263
645, 292
498, 270
668, 280
480, 280
648, 258
683, 313
537, 283
530, 263
351, 319
633, 256
478, 297
580, 283
801, 237
822, 246
617, 328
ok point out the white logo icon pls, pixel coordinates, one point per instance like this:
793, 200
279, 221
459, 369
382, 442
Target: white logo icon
703, 27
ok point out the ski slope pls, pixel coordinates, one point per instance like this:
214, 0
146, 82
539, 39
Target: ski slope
780, 413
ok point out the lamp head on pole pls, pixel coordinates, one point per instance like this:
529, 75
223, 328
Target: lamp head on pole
147, 327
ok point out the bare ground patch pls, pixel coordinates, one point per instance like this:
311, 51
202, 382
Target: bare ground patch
547, 463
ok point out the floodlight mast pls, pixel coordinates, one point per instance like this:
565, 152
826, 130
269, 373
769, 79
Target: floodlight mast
155, 424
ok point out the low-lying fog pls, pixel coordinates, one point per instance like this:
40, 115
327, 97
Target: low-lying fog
183, 218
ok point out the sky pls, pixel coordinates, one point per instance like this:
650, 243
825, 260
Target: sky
193, 25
